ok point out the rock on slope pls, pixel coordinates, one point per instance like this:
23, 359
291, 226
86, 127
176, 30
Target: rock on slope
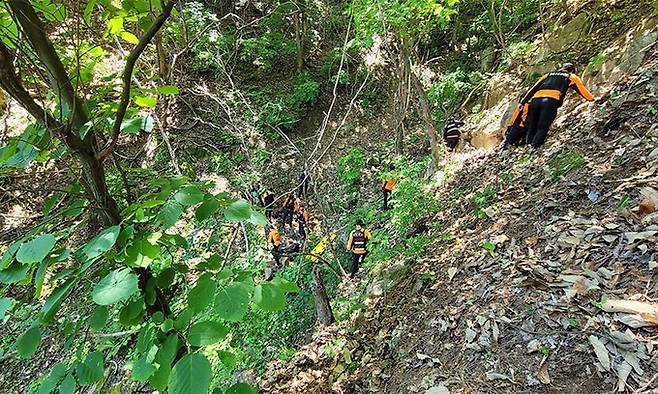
522, 297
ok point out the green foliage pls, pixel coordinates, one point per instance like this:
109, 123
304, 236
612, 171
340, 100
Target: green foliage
117, 286
285, 110
410, 19
483, 199
447, 93
596, 62
349, 169
564, 163
191, 374
263, 50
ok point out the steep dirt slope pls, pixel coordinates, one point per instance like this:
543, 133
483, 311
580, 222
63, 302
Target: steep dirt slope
516, 301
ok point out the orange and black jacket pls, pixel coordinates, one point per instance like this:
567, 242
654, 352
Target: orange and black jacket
358, 240
555, 85
274, 238
519, 117
292, 203
389, 184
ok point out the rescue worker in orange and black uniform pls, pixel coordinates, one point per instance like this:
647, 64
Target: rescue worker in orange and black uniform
274, 240
387, 189
290, 206
267, 201
356, 244
451, 133
517, 127
302, 220
546, 97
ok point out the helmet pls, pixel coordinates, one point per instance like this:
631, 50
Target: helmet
569, 67
359, 222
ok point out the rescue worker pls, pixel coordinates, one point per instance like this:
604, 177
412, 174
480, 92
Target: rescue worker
387, 188
302, 220
304, 183
356, 244
290, 205
451, 133
546, 97
267, 201
517, 127
274, 240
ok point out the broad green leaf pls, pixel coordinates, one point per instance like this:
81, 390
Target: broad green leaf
241, 388
170, 213
5, 305
232, 302
228, 359
68, 385
28, 342
36, 250
183, 319
8, 255
50, 203
137, 124
202, 294
115, 25
143, 367
165, 278
142, 253
98, 319
206, 209
257, 218
168, 89
117, 286
269, 297
55, 299
212, 263
129, 37
190, 375
102, 242
206, 333
238, 211
39, 278
15, 273
52, 381
164, 358
190, 195
146, 101
131, 314
91, 370
285, 285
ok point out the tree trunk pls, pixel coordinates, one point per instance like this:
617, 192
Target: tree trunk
93, 181
424, 109
93, 173
163, 68
299, 38
325, 315
402, 100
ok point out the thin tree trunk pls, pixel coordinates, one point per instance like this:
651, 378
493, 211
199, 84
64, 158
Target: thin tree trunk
93, 173
299, 38
424, 109
325, 315
163, 68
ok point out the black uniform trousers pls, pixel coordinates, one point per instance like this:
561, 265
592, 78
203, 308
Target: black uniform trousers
541, 114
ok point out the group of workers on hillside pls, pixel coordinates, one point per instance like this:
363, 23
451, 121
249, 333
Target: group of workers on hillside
536, 111
530, 123
292, 213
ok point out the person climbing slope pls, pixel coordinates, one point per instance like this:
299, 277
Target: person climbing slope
302, 217
267, 202
517, 127
356, 244
290, 205
546, 97
452, 133
274, 240
387, 188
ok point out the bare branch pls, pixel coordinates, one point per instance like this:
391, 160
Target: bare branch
127, 76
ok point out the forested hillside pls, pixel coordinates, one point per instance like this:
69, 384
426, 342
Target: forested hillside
374, 196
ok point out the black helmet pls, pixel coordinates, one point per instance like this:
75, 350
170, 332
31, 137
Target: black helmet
359, 222
569, 67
